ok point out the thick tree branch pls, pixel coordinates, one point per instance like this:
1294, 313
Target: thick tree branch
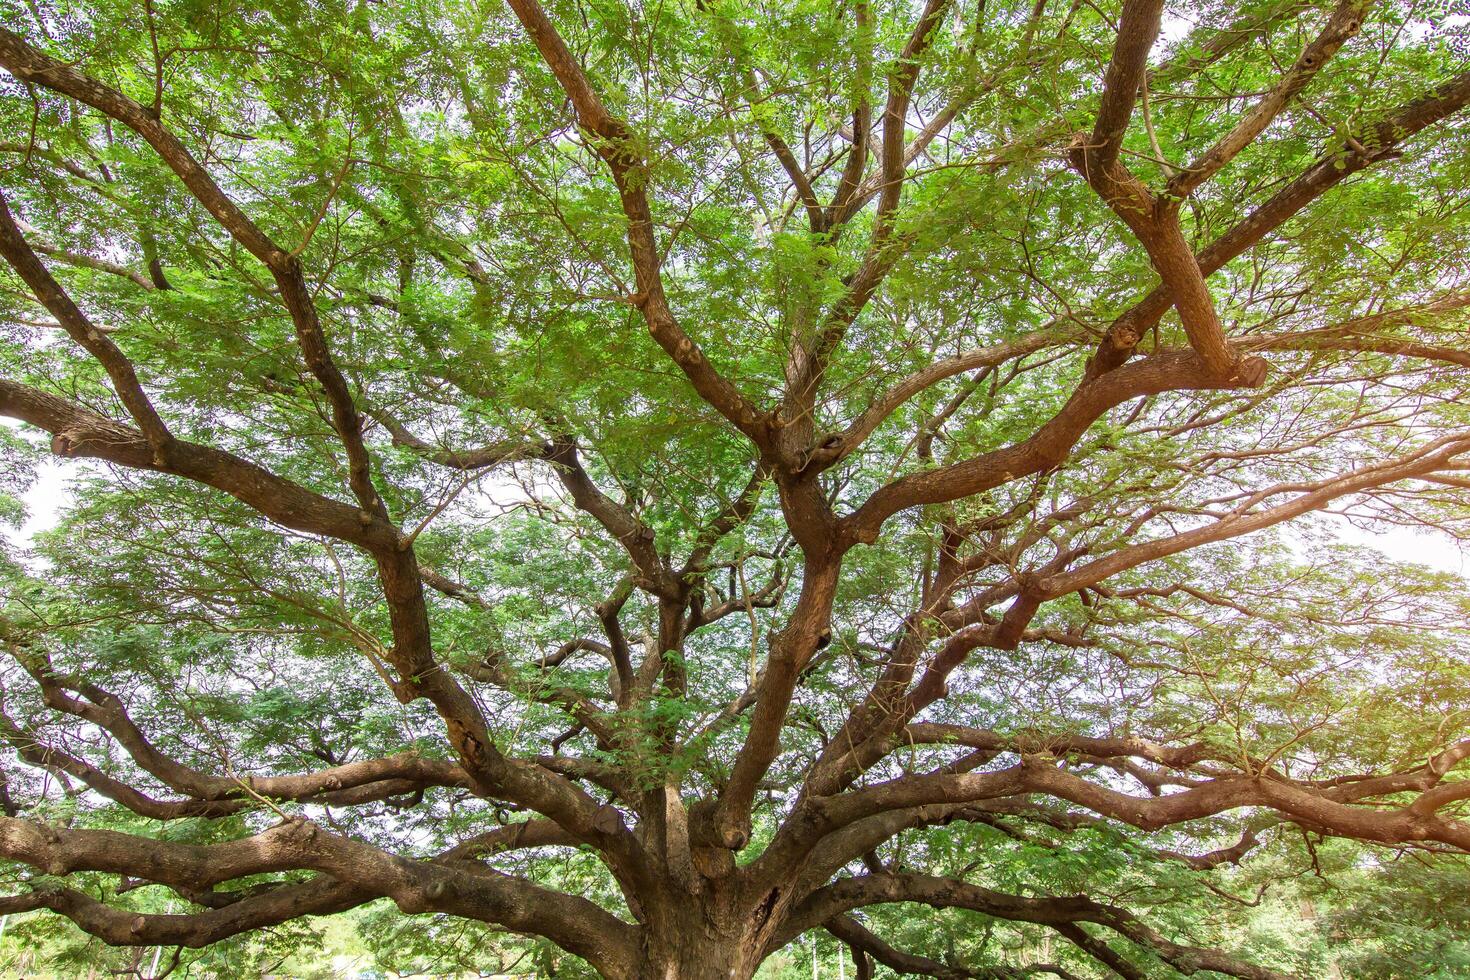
850, 893
1344, 23
123, 927
1048, 446
1380, 142
80, 433
124, 379
105, 710
479, 458
415, 886
616, 145
891, 400
850, 931
807, 363
636, 537
1138, 29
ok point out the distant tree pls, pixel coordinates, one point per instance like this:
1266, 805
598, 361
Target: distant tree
674, 478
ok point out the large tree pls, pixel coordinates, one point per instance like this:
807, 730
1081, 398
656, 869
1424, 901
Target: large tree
668, 478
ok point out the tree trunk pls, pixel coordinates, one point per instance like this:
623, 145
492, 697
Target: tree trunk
690, 940
695, 960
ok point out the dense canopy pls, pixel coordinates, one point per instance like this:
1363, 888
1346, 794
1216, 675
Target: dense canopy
662, 488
